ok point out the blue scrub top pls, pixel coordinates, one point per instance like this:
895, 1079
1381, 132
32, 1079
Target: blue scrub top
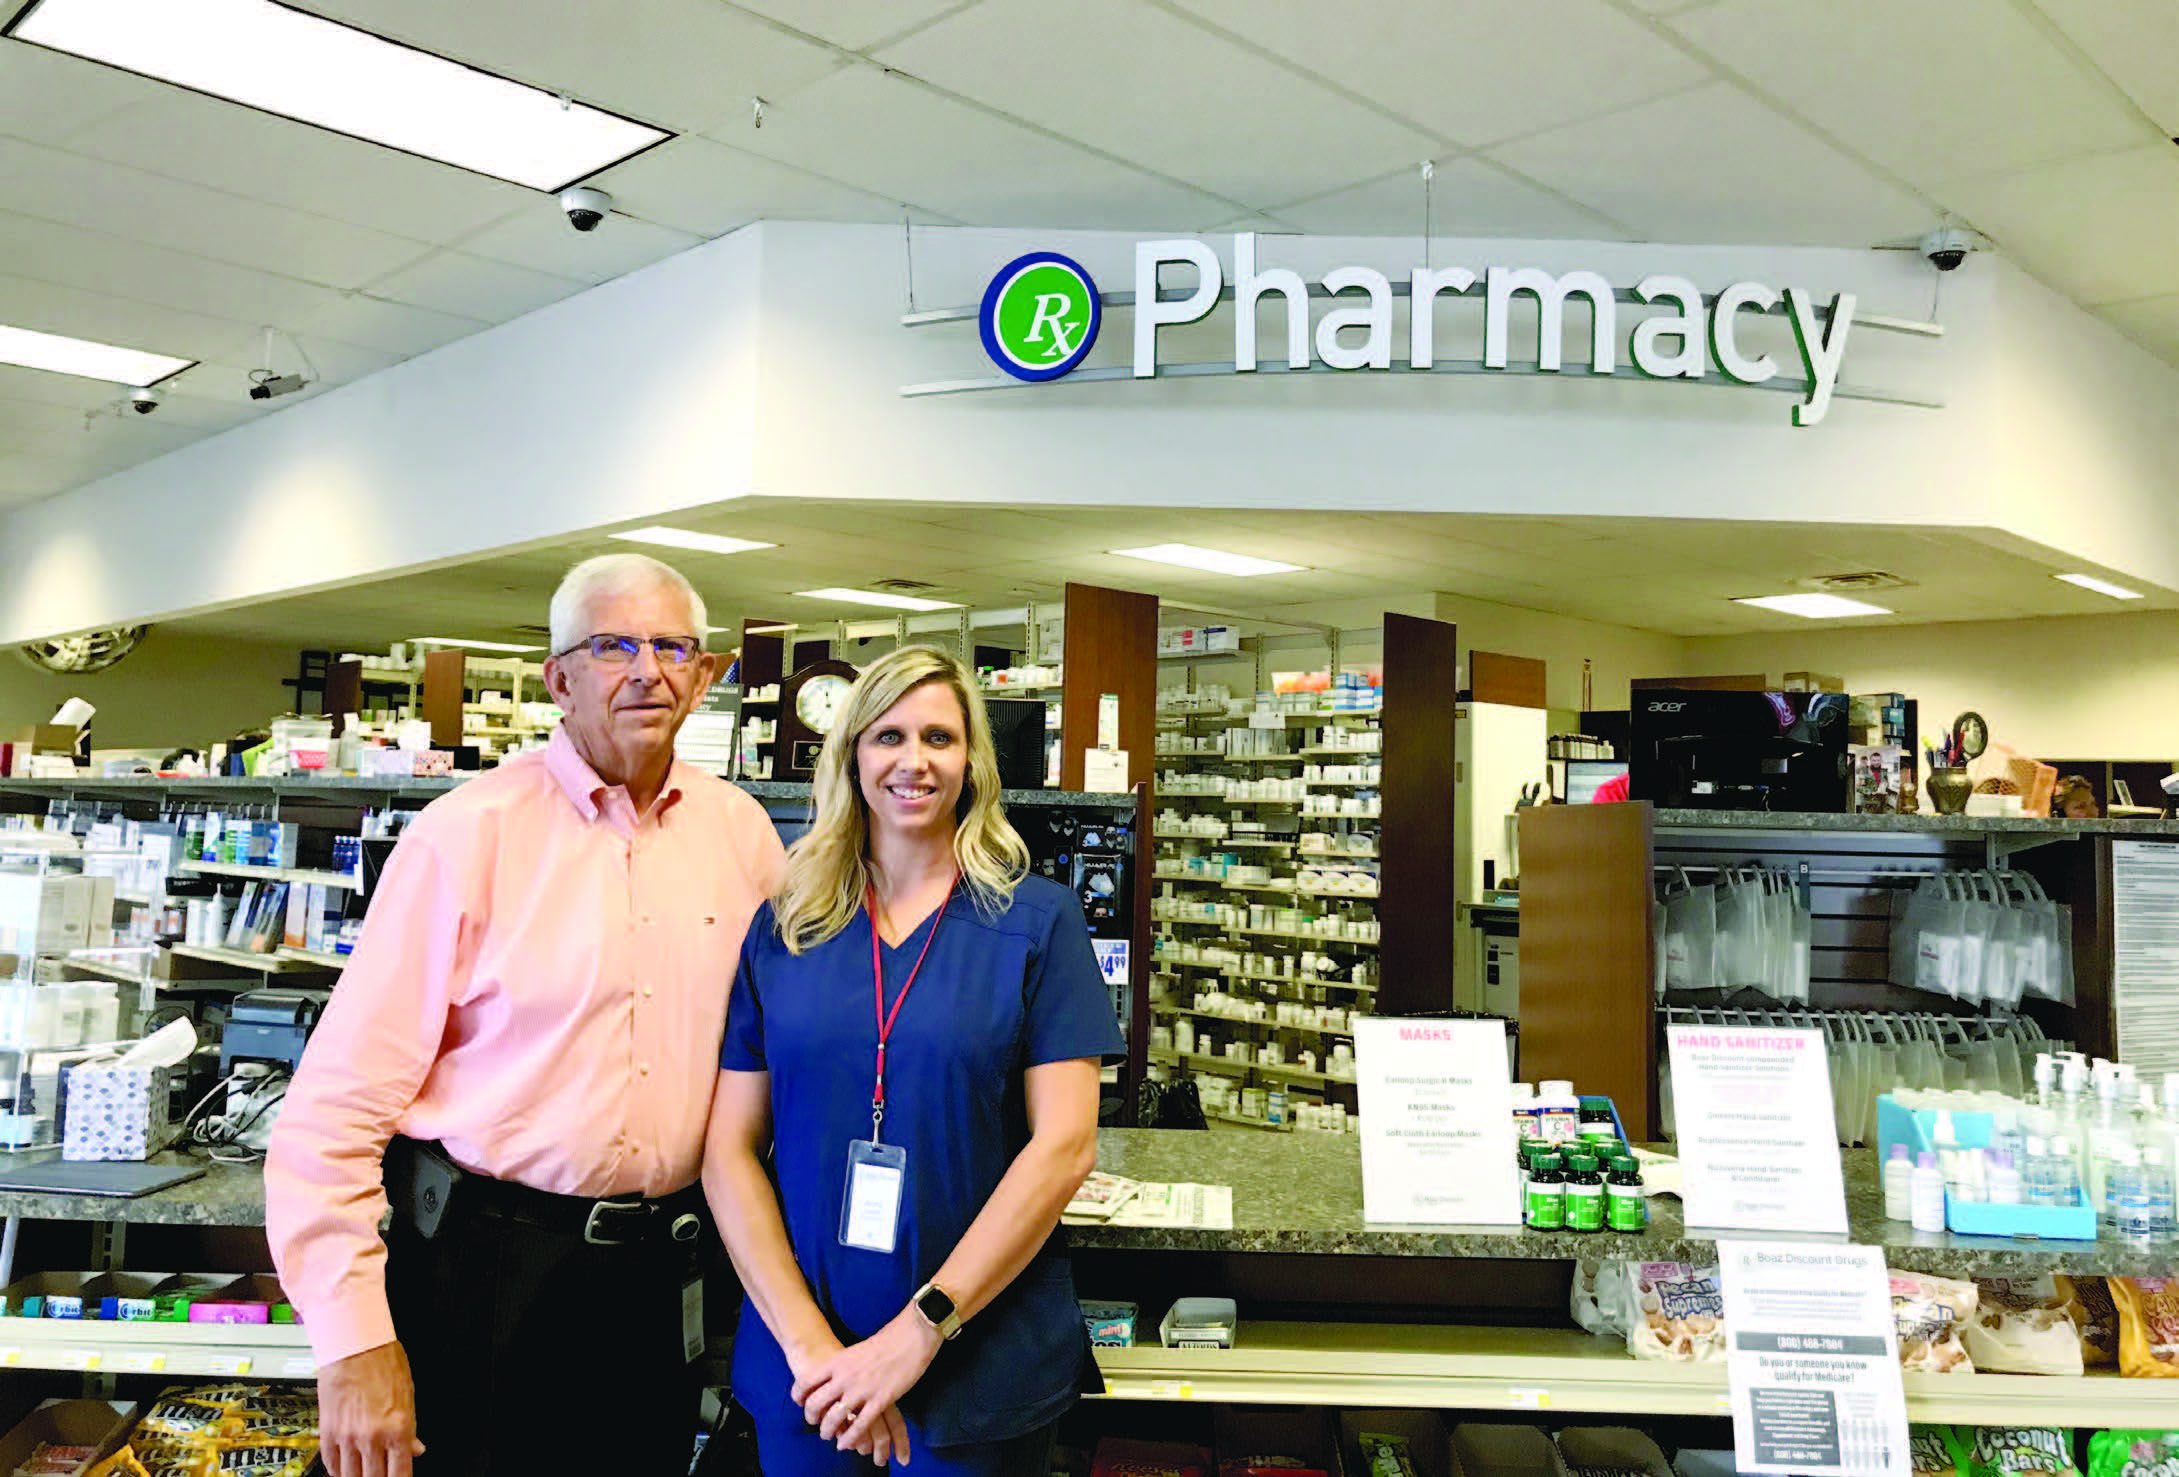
996, 996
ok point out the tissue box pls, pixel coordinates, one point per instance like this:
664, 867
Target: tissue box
113, 1112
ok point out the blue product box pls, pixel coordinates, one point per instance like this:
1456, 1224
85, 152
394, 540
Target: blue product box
1111, 1325
1916, 1129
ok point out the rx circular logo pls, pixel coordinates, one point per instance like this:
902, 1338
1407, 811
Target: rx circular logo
1040, 316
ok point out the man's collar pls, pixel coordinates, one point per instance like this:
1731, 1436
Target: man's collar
581, 783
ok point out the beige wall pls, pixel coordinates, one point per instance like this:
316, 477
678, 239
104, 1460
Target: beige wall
1618, 654
172, 690
2076, 687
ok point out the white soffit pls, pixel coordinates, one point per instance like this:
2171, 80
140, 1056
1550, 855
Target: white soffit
1932, 89
2101, 227
472, 286
1271, 135
2153, 323
1474, 71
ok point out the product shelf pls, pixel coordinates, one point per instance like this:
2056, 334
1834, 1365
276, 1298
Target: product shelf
1258, 1123
270, 874
1206, 1063
1211, 758
1334, 751
1527, 1369
1163, 795
1191, 658
1275, 979
102, 969
1375, 784
241, 958
1337, 856
222, 1350
317, 958
1309, 938
1225, 841
1234, 1020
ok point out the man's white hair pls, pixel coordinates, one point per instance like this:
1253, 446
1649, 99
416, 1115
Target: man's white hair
616, 574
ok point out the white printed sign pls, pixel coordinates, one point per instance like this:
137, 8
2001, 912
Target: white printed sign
1758, 1143
1813, 1361
1437, 1131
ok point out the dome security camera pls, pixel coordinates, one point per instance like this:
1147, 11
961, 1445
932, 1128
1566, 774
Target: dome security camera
1948, 247
145, 400
585, 207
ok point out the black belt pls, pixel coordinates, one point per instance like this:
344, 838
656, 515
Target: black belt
625, 1220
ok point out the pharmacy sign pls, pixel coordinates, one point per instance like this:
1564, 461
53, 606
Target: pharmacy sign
1040, 316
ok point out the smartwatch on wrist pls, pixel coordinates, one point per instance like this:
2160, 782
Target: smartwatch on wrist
937, 1309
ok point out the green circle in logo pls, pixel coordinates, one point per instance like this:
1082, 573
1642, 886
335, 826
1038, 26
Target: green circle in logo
1040, 316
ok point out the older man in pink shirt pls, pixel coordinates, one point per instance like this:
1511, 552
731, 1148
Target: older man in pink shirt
526, 1039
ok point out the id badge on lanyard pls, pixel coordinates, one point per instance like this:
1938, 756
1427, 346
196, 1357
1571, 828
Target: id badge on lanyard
877, 1172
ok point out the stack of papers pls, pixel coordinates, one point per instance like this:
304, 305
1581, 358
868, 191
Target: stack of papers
1106, 1199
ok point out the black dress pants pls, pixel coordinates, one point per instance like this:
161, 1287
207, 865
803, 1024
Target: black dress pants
534, 1352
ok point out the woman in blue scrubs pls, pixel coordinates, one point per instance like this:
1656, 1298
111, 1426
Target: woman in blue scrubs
914, 1034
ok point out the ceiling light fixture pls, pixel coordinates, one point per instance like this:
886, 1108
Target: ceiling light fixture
2101, 587
876, 597
297, 65
85, 359
688, 538
1814, 607
472, 645
1210, 561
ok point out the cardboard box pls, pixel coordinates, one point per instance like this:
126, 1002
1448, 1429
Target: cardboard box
1246, 1434
102, 1425
1814, 682
113, 1112
44, 914
1429, 1444
1506, 1451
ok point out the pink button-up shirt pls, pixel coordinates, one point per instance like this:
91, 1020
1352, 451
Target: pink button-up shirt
541, 986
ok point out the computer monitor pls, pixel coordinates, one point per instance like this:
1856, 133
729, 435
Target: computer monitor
1584, 777
1701, 749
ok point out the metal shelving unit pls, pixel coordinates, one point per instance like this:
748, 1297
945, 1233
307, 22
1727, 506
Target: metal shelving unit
270, 874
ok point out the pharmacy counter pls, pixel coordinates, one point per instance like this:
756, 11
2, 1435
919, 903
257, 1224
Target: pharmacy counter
1294, 1194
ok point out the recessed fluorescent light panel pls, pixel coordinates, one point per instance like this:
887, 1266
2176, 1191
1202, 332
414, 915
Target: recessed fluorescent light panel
1211, 561
877, 597
688, 538
81, 357
472, 645
301, 66
2101, 587
1815, 607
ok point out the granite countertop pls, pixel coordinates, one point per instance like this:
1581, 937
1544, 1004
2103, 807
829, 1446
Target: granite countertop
1960, 825
1301, 1194
1295, 1194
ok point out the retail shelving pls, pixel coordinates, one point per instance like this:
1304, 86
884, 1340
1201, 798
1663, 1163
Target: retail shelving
1529, 1369
317, 958
243, 959
270, 874
221, 1350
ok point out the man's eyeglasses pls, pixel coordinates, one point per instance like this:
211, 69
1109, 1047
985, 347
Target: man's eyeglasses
621, 651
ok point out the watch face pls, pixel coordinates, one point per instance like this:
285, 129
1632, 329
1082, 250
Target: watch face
821, 701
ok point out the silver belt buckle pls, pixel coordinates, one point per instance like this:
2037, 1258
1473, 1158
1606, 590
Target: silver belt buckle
591, 1233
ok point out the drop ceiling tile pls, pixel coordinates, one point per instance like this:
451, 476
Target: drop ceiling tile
2136, 42
101, 196
389, 327
2083, 225
695, 184
1468, 197
1471, 70
129, 269
1738, 172
225, 146
472, 287
1897, 83
1256, 133
539, 237
678, 64
896, 139
47, 95
2152, 323
49, 308
854, 24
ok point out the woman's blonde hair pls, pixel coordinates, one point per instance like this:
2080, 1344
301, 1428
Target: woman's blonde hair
828, 869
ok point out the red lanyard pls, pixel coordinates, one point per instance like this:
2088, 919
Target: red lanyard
877, 979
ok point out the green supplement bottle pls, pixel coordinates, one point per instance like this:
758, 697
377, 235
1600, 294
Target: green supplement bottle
1625, 1207
1599, 1129
1546, 1194
1584, 1194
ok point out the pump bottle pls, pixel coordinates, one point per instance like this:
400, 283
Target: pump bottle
1898, 1182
